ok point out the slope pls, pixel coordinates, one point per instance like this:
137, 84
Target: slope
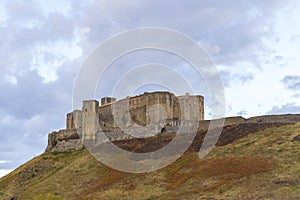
261, 165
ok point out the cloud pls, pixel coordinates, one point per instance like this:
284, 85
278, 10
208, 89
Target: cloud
3, 172
3, 168
22, 10
236, 30
31, 107
27, 31
4, 161
30, 110
229, 77
285, 109
292, 82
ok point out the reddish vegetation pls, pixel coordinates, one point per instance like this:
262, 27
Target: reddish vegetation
186, 168
234, 167
224, 169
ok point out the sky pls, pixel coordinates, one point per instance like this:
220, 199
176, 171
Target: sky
254, 45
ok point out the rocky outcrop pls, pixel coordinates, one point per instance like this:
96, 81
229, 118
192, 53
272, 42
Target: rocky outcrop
64, 141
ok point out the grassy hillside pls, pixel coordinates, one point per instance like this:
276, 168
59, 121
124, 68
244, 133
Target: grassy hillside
262, 165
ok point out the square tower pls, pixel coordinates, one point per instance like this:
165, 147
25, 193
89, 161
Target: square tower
90, 121
107, 100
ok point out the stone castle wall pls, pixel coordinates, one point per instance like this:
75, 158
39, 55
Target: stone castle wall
142, 110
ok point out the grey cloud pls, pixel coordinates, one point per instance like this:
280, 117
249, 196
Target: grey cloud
22, 9
59, 27
245, 78
53, 27
235, 26
229, 77
28, 97
124, 64
242, 112
292, 82
30, 110
284, 109
19, 41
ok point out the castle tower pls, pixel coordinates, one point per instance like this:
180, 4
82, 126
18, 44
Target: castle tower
90, 122
74, 119
107, 100
191, 107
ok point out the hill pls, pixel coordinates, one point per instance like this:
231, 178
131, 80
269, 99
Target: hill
251, 161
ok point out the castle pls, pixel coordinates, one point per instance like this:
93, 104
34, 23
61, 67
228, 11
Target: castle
155, 110
118, 119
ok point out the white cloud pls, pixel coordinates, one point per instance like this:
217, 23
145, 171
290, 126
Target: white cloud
4, 161
4, 172
48, 58
258, 96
